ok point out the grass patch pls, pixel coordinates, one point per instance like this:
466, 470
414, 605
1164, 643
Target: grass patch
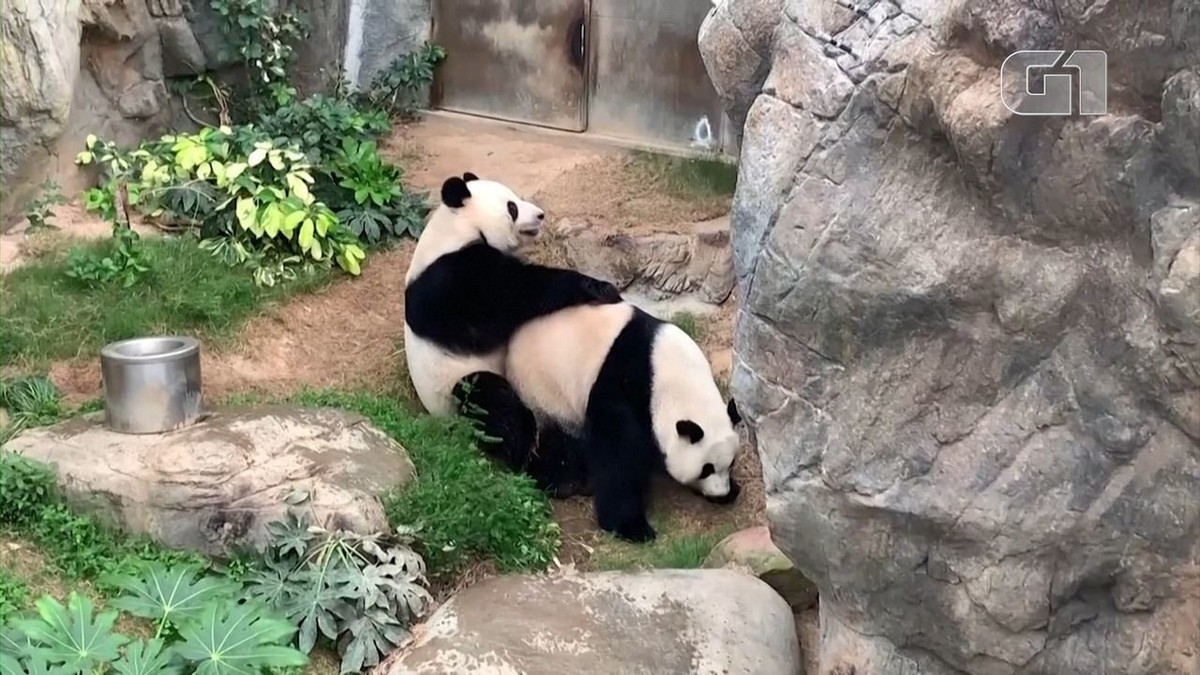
687, 177
674, 548
14, 595
690, 324
46, 315
469, 508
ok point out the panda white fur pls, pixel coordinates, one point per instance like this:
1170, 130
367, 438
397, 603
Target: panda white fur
466, 293
630, 395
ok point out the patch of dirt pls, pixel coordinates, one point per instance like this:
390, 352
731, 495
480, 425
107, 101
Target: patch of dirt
71, 222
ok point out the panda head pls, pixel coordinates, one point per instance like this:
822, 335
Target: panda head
701, 456
492, 210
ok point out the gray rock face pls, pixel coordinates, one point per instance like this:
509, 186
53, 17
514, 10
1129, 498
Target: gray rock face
216, 485
969, 342
682, 622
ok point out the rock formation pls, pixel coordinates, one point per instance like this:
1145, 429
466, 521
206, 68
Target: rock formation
214, 487
969, 341
706, 622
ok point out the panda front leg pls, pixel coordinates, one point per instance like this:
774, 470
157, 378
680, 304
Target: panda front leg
507, 424
618, 473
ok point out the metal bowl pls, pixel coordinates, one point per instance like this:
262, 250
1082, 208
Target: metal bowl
151, 384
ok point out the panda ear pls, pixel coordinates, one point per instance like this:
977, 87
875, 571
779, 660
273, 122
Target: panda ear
689, 430
735, 417
455, 192
468, 177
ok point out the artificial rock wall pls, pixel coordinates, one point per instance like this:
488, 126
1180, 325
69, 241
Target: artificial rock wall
969, 341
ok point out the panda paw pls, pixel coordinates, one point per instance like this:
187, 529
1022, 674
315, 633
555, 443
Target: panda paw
601, 292
636, 532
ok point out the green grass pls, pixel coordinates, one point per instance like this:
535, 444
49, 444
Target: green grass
690, 324
469, 509
14, 595
46, 315
688, 177
674, 548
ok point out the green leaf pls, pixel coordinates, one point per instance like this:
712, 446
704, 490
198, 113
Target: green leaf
191, 155
147, 658
9, 665
245, 212
70, 635
237, 640
168, 595
306, 234
234, 170
256, 156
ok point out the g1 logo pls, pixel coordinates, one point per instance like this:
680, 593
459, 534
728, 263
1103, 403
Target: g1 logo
1085, 71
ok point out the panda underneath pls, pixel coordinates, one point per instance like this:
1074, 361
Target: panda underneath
630, 395
466, 294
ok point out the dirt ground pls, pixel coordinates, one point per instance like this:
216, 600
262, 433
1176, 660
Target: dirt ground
311, 342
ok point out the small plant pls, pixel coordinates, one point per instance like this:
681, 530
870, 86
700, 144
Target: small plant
122, 261
30, 402
40, 211
13, 595
396, 88
204, 627
359, 593
690, 324
265, 41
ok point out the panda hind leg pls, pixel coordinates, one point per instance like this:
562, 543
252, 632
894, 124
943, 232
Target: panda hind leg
558, 465
507, 424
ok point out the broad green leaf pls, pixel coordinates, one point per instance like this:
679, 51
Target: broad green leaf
369, 637
204, 170
84, 157
70, 635
90, 141
168, 594
147, 658
316, 251
299, 188
349, 264
191, 156
306, 234
9, 665
291, 221
256, 156
275, 159
273, 219
234, 170
227, 639
245, 212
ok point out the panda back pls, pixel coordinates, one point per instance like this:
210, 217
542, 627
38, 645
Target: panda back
553, 361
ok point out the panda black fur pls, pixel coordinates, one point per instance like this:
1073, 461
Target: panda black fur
466, 295
628, 395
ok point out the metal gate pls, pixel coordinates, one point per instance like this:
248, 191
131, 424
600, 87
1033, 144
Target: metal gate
520, 60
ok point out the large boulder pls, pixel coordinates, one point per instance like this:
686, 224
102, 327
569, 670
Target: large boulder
682, 622
215, 486
968, 343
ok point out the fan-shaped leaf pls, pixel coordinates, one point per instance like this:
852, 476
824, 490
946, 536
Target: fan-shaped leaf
237, 640
70, 635
147, 658
169, 594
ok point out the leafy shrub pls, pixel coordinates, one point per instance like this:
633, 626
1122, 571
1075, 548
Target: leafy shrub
203, 627
13, 595
466, 507
358, 592
395, 88
265, 190
122, 259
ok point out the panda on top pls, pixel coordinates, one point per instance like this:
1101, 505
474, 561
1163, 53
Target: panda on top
466, 295
632, 395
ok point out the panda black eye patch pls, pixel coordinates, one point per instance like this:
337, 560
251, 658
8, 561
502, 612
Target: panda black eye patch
512, 211
707, 471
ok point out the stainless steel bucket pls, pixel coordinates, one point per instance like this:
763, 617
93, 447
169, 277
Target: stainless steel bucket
151, 384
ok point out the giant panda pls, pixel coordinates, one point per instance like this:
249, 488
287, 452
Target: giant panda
465, 295
631, 395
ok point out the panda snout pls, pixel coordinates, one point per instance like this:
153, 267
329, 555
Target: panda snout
727, 498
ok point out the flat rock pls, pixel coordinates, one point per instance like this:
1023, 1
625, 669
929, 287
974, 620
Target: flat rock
216, 485
753, 551
677, 622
